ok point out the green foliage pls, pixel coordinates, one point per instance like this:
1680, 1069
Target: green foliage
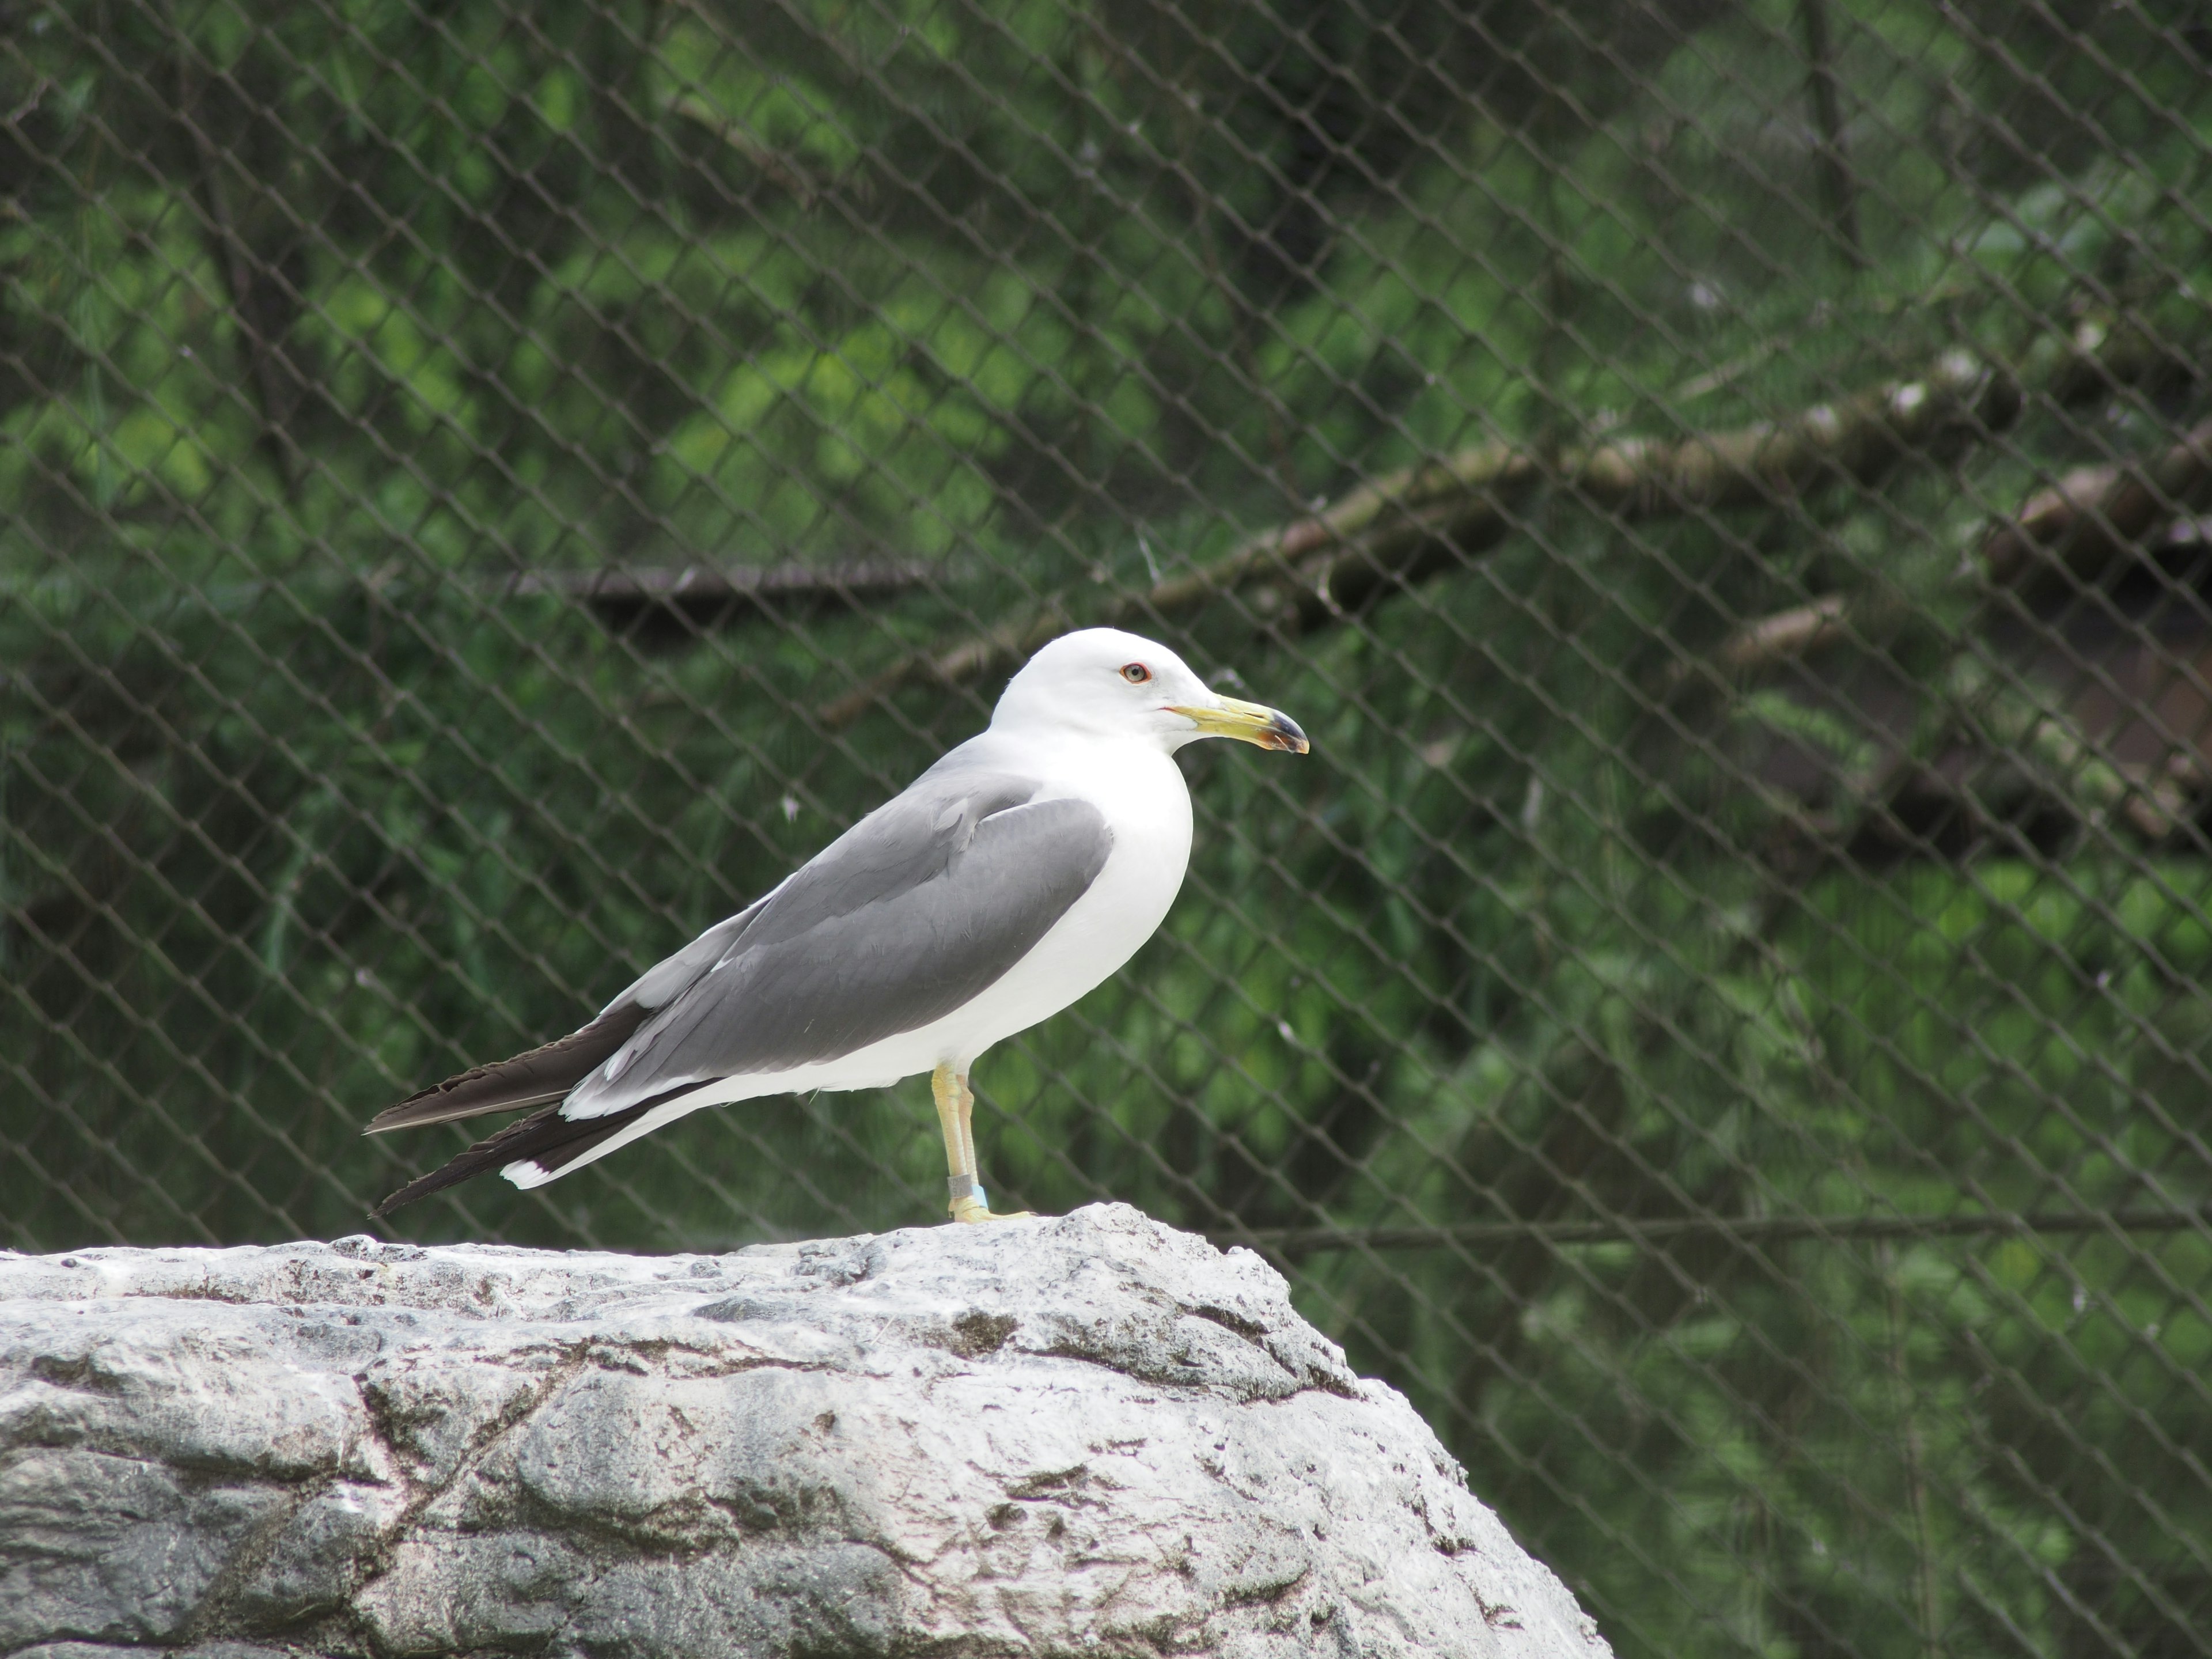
326, 325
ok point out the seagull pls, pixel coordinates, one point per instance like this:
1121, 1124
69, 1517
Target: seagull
1009, 879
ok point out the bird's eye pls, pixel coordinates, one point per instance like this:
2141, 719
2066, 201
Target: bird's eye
1136, 673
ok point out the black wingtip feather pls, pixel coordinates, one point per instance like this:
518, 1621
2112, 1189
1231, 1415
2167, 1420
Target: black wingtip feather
543, 1074
546, 1137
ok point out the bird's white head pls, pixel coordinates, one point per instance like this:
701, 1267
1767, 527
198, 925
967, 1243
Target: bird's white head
1105, 682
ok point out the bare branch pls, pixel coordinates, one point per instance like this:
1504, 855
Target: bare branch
707, 588
2062, 537
235, 261
2096, 515
779, 169
1793, 633
1402, 528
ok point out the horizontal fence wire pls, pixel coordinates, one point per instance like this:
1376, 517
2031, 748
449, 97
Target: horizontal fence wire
1660, 1230
1718, 1019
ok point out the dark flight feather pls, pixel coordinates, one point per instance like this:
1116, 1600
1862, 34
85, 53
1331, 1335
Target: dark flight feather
544, 1073
546, 1137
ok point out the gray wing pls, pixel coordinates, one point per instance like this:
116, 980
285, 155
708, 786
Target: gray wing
917, 909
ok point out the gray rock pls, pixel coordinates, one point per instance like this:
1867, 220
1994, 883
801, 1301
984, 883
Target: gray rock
1091, 1435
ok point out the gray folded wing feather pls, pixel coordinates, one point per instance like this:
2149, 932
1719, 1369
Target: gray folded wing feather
915, 910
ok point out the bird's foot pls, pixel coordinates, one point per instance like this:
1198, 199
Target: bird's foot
971, 1209
969, 1203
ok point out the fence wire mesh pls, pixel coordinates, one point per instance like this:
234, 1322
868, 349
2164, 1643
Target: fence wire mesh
1719, 1018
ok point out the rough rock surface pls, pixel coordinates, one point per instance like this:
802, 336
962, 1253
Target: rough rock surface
1089, 1435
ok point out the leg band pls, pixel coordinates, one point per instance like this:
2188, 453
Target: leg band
960, 1187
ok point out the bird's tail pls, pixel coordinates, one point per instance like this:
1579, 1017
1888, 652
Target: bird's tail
545, 1139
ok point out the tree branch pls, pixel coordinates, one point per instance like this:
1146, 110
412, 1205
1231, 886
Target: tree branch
2094, 516
2064, 537
1837, 186
235, 261
1406, 526
791, 176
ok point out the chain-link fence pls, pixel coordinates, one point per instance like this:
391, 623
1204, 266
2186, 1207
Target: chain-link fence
490, 487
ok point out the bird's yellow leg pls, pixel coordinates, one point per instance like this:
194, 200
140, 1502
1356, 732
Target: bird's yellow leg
965, 1096
946, 1091
956, 1107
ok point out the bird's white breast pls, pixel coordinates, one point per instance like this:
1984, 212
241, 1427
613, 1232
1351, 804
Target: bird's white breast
1141, 792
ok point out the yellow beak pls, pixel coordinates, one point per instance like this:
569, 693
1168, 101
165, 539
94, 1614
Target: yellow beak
1247, 722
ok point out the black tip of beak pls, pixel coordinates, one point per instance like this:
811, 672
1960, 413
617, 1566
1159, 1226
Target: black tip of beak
1287, 735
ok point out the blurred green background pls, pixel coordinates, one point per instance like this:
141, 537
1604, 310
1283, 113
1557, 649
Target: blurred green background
1718, 1019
